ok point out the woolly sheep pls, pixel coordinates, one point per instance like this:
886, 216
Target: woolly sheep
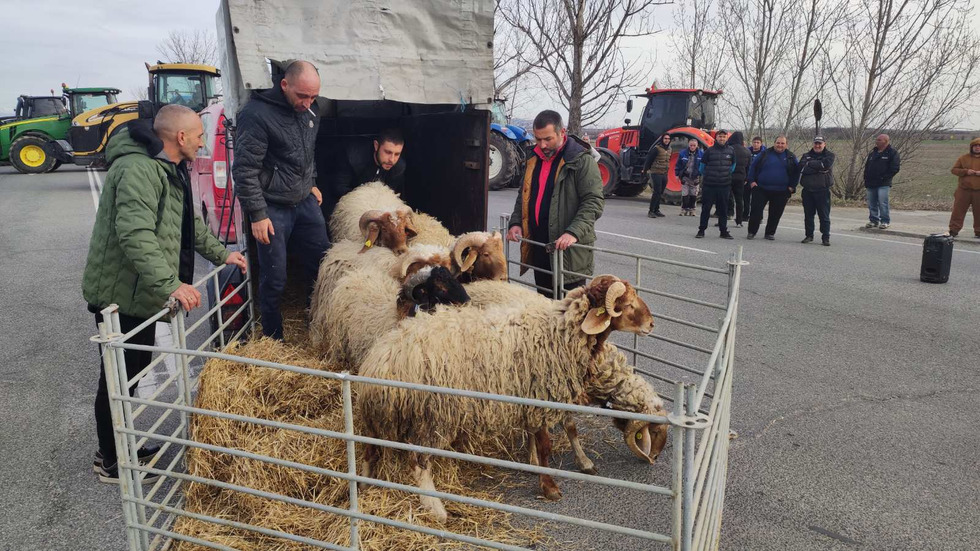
345, 220
430, 231
479, 256
543, 350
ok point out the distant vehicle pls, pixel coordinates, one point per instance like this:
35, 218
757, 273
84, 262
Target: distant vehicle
509, 146
38, 121
684, 113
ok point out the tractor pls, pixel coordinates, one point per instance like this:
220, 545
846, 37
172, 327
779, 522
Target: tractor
41, 120
169, 83
684, 113
509, 146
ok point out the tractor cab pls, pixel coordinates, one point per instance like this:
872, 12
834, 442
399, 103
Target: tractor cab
32, 107
80, 100
184, 84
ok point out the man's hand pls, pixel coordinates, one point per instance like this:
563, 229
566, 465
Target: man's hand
316, 193
262, 229
565, 241
515, 234
236, 259
187, 296
752, 185
971, 172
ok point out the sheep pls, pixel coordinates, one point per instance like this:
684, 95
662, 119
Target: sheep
430, 231
360, 305
480, 256
344, 222
545, 350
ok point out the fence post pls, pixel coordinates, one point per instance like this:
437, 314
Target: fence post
689, 505
351, 461
503, 225
555, 274
183, 364
217, 298
678, 468
636, 338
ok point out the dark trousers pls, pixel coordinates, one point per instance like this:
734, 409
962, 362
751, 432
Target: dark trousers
658, 182
711, 196
541, 259
777, 204
689, 202
746, 202
136, 361
737, 207
816, 202
301, 230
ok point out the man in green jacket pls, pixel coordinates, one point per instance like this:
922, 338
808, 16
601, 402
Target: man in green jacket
558, 204
143, 243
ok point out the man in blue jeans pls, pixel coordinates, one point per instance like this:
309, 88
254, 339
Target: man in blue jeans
275, 173
882, 164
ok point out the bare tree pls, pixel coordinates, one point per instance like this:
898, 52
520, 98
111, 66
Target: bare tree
697, 57
909, 66
198, 46
513, 60
575, 50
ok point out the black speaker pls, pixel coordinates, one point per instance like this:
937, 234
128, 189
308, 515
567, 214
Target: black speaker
937, 255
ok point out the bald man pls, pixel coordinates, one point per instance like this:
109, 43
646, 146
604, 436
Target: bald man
275, 174
143, 244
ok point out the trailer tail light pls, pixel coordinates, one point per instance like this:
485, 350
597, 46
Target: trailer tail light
236, 300
220, 174
232, 306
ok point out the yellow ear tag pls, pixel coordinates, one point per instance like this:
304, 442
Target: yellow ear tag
639, 436
367, 243
600, 311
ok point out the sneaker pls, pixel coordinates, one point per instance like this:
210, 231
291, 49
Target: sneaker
109, 474
825, 241
770, 237
750, 236
700, 234
727, 235
807, 239
883, 226
144, 455
651, 215
871, 225
659, 214
955, 233
738, 224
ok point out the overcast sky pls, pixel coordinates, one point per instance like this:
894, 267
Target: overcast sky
105, 43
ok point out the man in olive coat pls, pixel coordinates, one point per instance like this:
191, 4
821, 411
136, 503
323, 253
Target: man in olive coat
559, 202
143, 244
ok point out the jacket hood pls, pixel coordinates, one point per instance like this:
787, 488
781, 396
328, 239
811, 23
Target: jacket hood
736, 139
575, 146
975, 141
274, 96
660, 140
137, 137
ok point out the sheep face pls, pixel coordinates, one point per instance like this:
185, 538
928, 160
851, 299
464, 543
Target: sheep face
388, 229
478, 255
645, 440
432, 286
616, 307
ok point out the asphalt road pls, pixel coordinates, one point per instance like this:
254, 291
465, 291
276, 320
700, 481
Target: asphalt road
855, 391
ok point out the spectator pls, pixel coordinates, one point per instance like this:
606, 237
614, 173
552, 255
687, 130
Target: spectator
967, 193
656, 164
771, 178
882, 165
688, 171
559, 202
717, 166
755, 150
142, 247
742, 159
816, 178
363, 160
275, 172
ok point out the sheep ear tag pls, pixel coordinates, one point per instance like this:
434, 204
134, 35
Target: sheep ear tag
367, 245
596, 321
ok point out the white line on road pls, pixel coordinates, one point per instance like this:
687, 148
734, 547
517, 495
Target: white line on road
98, 179
655, 242
91, 185
918, 245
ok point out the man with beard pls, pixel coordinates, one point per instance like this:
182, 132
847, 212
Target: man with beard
361, 161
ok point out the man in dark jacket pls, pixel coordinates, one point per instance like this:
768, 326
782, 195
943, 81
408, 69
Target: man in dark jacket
559, 202
717, 166
142, 248
881, 166
816, 178
275, 172
742, 159
361, 161
656, 164
755, 150
772, 178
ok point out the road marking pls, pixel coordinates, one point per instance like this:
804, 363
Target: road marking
91, 185
918, 245
655, 242
98, 180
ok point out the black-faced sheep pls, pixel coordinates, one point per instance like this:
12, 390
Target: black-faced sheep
545, 350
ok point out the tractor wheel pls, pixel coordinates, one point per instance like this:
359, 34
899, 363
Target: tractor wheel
57, 165
28, 156
609, 172
631, 190
503, 161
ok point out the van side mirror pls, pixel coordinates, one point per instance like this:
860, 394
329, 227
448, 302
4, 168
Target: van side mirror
627, 122
629, 106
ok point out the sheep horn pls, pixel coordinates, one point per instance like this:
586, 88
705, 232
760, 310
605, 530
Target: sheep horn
367, 218
639, 441
616, 290
410, 258
469, 240
409, 215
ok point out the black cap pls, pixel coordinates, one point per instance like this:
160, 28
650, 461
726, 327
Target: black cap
819, 139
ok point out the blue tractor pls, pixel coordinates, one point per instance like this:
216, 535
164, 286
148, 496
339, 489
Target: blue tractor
509, 147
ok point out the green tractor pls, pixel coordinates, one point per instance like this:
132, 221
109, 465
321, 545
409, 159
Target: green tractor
40, 120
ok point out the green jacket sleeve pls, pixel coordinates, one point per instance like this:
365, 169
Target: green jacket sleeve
137, 197
588, 185
207, 244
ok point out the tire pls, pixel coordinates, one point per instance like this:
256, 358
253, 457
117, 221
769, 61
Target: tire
28, 156
57, 165
609, 172
504, 161
630, 190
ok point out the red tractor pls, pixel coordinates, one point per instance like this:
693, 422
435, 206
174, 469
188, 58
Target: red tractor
684, 113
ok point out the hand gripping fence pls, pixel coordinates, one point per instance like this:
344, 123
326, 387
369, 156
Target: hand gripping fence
701, 393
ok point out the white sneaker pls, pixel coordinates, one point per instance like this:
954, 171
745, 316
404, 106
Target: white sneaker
883, 226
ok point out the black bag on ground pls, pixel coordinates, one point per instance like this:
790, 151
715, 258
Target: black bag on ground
937, 255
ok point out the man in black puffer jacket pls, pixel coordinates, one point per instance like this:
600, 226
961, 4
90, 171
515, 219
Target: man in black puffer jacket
816, 176
742, 159
275, 172
717, 165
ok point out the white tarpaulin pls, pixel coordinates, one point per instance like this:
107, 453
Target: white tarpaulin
415, 51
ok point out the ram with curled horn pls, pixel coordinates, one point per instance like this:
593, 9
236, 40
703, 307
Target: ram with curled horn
389, 229
480, 256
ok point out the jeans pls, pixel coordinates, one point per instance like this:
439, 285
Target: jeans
299, 229
878, 204
136, 361
777, 204
658, 182
816, 202
711, 196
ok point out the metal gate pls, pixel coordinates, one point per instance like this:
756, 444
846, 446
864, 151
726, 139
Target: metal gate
701, 397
